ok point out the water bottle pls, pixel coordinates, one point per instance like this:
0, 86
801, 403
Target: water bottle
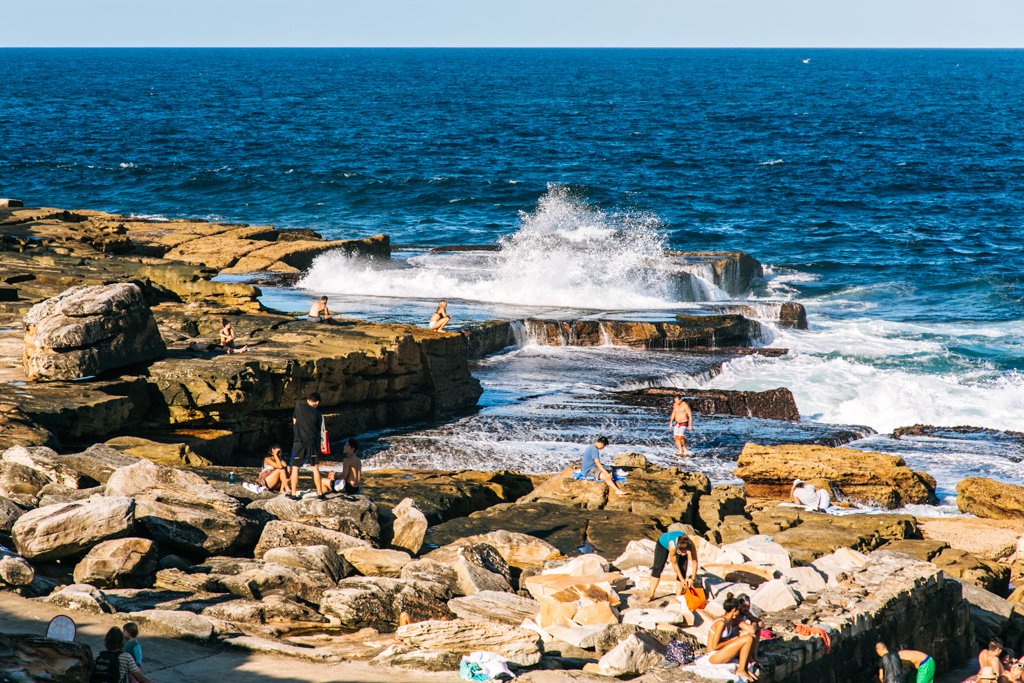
232, 479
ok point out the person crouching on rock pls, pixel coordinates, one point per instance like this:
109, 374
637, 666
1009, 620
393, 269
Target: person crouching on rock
351, 476
440, 319
813, 499
274, 473
319, 313
306, 423
673, 547
592, 468
726, 642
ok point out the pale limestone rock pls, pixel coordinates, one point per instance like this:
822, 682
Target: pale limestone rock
774, 596
633, 655
517, 645
410, 526
182, 624
377, 562
82, 598
66, 529
637, 554
496, 606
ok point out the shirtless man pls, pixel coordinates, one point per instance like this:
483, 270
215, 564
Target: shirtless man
680, 420
992, 658
924, 664
319, 313
351, 476
227, 338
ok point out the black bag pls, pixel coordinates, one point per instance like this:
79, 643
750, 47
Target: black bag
107, 668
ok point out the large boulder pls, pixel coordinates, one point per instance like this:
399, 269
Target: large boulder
14, 569
517, 645
98, 462
9, 514
81, 597
319, 558
21, 484
352, 515
494, 606
517, 549
859, 476
18, 429
168, 484
988, 498
87, 330
376, 562
279, 534
121, 562
378, 602
46, 462
67, 529
633, 655
36, 658
194, 529
409, 527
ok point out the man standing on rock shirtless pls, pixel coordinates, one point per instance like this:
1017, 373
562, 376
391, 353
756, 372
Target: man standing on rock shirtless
680, 420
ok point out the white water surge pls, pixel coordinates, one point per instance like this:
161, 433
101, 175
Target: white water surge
566, 254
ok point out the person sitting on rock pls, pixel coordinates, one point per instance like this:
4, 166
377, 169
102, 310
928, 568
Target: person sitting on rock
227, 338
813, 499
440, 319
114, 664
750, 623
592, 468
924, 664
726, 642
351, 476
992, 657
319, 312
673, 546
274, 473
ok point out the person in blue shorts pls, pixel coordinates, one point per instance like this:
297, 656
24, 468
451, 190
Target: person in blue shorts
673, 546
594, 470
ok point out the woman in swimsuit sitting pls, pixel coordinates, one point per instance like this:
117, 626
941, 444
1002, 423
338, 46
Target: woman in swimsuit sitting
726, 642
440, 319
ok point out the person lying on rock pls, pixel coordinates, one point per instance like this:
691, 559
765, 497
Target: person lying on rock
351, 476
726, 642
673, 547
813, 499
227, 338
592, 468
440, 319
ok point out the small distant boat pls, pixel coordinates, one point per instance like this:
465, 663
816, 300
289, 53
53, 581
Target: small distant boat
806, 61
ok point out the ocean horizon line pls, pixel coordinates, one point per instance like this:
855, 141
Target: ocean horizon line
823, 48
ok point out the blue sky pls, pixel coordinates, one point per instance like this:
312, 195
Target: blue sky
466, 23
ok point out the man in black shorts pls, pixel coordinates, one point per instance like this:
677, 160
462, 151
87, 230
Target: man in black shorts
306, 424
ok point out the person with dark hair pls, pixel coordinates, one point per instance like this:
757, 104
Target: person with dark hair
673, 546
307, 426
274, 473
227, 338
351, 476
114, 665
726, 642
131, 641
890, 668
319, 312
750, 623
679, 421
592, 469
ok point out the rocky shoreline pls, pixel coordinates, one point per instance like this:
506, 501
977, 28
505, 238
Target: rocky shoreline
116, 440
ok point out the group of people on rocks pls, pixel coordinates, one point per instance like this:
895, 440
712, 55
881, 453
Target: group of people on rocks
997, 664
309, 444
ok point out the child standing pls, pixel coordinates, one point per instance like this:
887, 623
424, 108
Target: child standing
131, 641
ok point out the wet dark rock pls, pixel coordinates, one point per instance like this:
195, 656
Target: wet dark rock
684, 332
773, 404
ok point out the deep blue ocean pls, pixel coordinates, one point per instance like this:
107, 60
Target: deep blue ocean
883, 188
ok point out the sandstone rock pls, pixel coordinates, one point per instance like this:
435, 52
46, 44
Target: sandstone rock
257, 582
9, 514
861, 476
14, 569
804, 580
18, 429
377, 602
445, 495
517, 645
409, 527
774, 596
494, 606
278, 534
352, 515
98, 462
575, 600
87, 330
517, 549
82, 598
634, 655
21, 484
763, 551
989, 498
568, 529
320, 558
819, 534
64, 530
167, 454
477, 567
723, 501
773, 404
376, 562
168, 485
685, 332
590, 564
46, 462
118, 563
8, 203
991, 576
36, 658
405, 657
194, 529
839, 562
637, 554
988, 539
181, 624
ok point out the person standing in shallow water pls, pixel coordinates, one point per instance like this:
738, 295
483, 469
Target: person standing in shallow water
680, 420
306, 424
440, 319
